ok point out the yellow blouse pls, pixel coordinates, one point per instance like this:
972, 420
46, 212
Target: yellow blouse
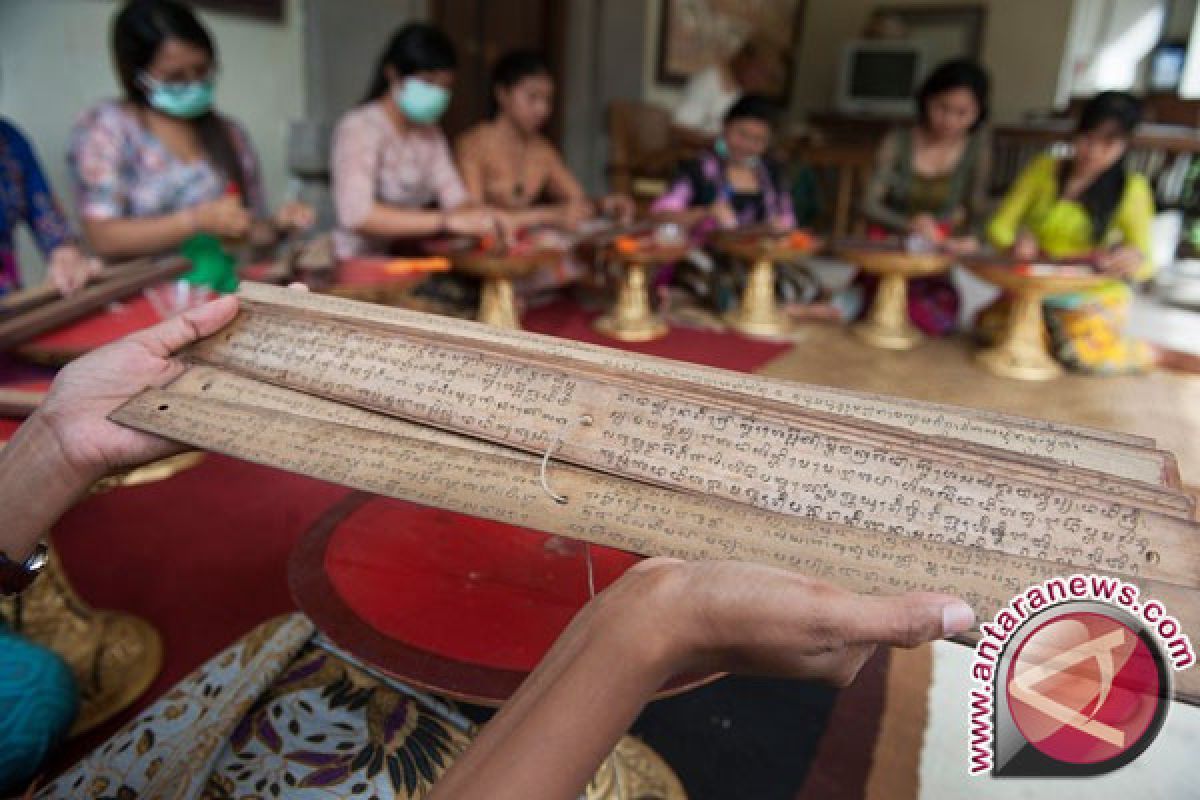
1062, 227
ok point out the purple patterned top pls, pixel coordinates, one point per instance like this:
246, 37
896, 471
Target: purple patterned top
702, 181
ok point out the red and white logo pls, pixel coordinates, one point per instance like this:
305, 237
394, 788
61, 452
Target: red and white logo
1073, 678
1084, 688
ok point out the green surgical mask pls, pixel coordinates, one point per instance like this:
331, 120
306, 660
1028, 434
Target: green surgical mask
421, 101
721, 148
185, 100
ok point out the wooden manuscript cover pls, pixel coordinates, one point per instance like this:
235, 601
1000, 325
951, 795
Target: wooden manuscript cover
873, 493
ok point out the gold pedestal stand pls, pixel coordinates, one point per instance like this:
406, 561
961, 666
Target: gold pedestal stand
633, 319
886, 324
758, 313
113, 656
497, 301
1021, 351
497, 304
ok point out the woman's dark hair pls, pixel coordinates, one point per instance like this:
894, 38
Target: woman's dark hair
753, 106
961, 73
416, 47
514, 67
1100, 200
138, 31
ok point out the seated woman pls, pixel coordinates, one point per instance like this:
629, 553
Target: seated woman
930, 181
278, 715
733, 185
508, 164
1088, 206
161, 169
25, 196
393, 176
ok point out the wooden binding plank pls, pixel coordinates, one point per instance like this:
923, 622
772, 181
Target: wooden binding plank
310, 435
19, 402
530, 408
1084, 447
20, 328
25, 299
414, 368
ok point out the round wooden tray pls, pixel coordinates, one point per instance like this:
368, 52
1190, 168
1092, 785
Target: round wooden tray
1006, 275
651, 254
454, 605
753, 248
889, 261
507, 265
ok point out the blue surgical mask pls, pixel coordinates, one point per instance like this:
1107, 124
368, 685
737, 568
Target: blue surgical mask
421, 101
186, 100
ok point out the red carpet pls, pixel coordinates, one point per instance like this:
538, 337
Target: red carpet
203, 556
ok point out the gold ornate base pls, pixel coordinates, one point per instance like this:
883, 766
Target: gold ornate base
634, 772
887, 337
632, 320
497, 304
886, 325
114, 657
1021, 353
757, 313
1011, 363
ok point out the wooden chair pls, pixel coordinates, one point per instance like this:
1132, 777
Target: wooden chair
842, 171
642, 155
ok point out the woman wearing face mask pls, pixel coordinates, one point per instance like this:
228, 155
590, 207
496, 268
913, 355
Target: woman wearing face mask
393, 175
509, 164
160, 167
1089, 206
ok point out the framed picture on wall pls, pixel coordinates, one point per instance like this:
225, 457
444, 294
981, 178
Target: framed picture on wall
695, 34
944, 32
265, 9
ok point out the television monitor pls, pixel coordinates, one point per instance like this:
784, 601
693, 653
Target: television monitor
879, 77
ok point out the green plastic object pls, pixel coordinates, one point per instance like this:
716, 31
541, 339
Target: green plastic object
212, 266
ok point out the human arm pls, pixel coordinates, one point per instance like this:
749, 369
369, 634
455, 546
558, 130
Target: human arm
782, 213
666, 618
470, 158
874, 205
693, 198
69, 443
118, 237
1005, 229
66, 266
95, 159
1133, 257
355, 165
